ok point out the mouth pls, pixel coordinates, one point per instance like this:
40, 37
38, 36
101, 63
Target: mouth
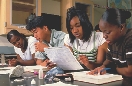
77, 35
20, 46
108, 41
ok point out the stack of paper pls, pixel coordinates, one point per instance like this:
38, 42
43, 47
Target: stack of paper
59, 84
96, 79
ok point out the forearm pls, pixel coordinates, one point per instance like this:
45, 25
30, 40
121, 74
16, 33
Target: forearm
124, 71
27, 62
93, 65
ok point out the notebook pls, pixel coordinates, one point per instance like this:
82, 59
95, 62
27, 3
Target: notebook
95, 79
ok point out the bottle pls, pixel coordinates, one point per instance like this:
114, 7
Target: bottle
3, 59
33, 82
41, 73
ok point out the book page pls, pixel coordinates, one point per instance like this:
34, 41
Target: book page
63, 57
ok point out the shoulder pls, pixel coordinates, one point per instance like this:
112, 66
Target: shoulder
98, 35
128, 38
58, 34
66, 38
31, 39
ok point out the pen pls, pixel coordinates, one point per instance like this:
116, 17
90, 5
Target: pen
105, 69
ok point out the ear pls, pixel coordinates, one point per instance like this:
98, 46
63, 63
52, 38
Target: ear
45, 28
123, 27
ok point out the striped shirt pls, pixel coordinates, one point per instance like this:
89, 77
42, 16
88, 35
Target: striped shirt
121, 54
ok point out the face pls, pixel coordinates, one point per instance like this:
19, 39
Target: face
111, 33
76, 27
40, 33
17, 41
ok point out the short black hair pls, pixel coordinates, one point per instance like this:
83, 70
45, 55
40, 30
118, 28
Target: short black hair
14, 33
38, 21
84, 21
116, 16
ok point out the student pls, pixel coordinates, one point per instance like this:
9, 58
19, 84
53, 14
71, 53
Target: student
23, 47
119, 38
47, 37
97, 29
87, 45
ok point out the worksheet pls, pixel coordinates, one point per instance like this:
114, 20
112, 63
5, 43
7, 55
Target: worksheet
63, 57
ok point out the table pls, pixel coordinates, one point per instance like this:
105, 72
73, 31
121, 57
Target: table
5, 81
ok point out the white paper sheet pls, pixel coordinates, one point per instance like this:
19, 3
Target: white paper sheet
63, 57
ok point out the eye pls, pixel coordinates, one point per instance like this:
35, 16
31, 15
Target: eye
77, 25
71, 28
13, 43
17, 39
107, 32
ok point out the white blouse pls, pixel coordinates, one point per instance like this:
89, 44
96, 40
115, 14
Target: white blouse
86, 46
27, 55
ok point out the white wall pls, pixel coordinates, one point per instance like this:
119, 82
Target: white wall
50, 7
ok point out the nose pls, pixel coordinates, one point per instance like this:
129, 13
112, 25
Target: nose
17, 43
105, 36
75, 30
35, 35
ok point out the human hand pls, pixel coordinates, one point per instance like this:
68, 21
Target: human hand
50, 65
12, 62
83, 59
39, 46
97, 70
44, 63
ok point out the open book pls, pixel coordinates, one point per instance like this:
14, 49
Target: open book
95, 79
63, 57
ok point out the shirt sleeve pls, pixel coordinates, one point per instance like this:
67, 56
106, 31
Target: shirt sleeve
15, 49
67, 40
128, 49
100, 38
32, 42
40, 55
61, 40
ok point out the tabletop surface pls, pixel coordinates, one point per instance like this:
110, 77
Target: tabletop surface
26, 81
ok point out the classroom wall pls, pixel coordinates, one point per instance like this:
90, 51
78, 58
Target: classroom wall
98, 11
50, 7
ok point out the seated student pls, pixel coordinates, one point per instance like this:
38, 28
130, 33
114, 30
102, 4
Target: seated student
87, 45
47, 37
23, 47
97, 29
119, 39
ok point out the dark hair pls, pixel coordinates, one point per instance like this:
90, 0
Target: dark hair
14, 33
84, 21
97, 28
38, 21
116, 16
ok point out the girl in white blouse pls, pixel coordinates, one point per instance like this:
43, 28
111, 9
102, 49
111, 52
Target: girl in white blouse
88, 46
23, 47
